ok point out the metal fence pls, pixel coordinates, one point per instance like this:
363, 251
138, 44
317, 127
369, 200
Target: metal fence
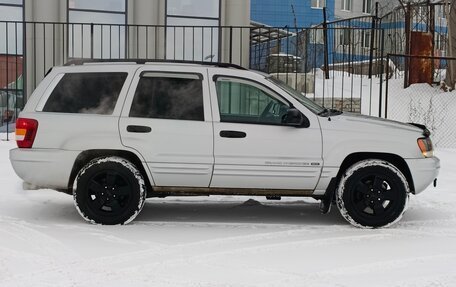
332, 63
428, 103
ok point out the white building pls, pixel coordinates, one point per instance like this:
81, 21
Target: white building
118, 29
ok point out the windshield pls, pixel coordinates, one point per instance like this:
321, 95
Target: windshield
311, 105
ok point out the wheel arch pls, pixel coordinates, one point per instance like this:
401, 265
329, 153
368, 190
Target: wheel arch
394, 159
86, 156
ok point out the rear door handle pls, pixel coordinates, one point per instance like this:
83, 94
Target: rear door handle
233, 134
139, 129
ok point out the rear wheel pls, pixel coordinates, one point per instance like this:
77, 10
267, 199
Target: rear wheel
109, 190
372, 193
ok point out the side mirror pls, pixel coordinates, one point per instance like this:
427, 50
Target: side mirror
294, 118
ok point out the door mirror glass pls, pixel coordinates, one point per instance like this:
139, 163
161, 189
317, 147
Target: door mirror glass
295, 118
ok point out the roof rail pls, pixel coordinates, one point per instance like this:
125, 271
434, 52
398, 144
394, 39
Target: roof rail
77, 62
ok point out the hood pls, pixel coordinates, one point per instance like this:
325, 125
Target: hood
380, 122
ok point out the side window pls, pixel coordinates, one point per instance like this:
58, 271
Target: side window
169, 96
86, 93
246, 103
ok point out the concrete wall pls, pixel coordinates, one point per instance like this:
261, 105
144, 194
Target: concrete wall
235, 41
44, 42
47, 44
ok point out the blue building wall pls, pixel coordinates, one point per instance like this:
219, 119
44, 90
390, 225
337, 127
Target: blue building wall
278, 13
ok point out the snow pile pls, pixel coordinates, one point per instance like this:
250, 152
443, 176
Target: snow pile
425, 104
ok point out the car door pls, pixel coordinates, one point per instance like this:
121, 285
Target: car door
252, 148
167, 119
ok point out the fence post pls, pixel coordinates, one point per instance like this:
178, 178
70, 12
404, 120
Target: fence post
372, 41
7, 89
326, 44
382, 70
91, 41
387, 86
407, 43
231, 44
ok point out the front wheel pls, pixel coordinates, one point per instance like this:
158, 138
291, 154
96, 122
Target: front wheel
109, 190
372, 193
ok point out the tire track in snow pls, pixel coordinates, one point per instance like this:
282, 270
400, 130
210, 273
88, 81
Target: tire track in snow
28, 233
185, 252
373, 268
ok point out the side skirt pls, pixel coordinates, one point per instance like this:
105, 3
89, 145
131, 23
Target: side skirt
161, 191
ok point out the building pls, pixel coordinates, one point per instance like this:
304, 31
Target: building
357, 8
45, 33
291, 13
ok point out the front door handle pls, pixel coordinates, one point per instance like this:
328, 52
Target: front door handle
139, 129
233, 134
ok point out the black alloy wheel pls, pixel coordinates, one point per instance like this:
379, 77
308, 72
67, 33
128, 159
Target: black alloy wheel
109, 190
374, 194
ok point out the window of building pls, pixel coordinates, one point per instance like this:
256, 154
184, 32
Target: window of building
11, 60
108, 37
86, 93
243, 102
441, 42
318, 3
367, 6
192, 32
317, 36
442, 12
346, 5
366, 39
168, 96
344, 37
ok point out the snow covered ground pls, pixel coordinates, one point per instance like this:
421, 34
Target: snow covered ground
224, 241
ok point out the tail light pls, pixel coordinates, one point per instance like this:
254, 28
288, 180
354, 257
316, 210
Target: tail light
26, 132
425, 145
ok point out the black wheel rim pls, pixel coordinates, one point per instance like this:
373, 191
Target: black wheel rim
375, 196
109, 192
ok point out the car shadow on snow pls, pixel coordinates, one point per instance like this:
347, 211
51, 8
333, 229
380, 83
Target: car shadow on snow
249, 211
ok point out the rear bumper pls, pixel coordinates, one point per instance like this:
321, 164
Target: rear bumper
43, 168
423, 171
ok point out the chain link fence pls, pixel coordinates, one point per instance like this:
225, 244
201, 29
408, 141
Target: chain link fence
429, 103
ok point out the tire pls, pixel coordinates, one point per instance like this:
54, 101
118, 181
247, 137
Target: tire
372, 194
109, 190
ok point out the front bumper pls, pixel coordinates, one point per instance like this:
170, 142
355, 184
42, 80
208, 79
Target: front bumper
424, 171
43, 168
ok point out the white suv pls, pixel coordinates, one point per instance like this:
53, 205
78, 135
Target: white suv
113, 134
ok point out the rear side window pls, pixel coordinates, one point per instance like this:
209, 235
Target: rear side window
173, 96
86, 93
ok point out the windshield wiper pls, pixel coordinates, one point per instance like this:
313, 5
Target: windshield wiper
324, 112
329, 112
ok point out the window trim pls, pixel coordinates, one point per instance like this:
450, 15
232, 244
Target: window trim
258, 85
58, 78
172, 74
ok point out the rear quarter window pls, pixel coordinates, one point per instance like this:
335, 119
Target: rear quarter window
86, 93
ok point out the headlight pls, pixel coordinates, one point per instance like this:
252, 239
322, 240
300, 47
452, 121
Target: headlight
425, 145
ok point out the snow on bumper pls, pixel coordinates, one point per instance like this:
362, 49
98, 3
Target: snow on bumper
43, 168
423, 171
